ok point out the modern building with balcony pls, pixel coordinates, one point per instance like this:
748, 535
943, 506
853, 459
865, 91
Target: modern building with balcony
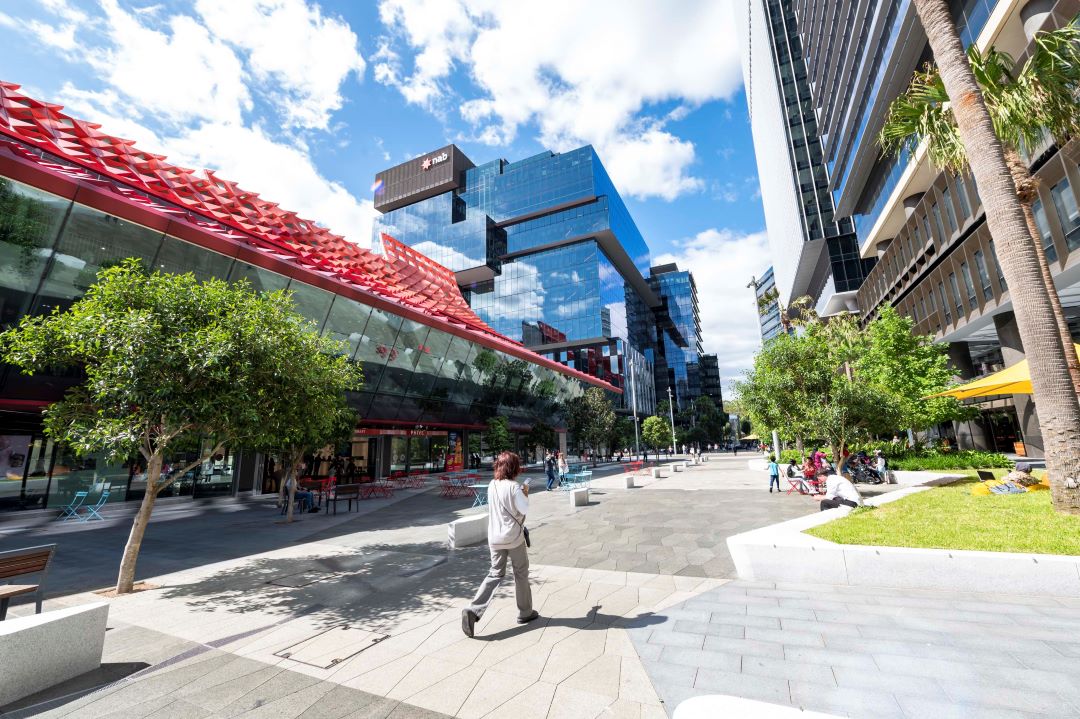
767, 301
545, 252
74, 199
813, 246
935, 255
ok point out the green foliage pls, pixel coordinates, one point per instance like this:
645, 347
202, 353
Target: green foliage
590, 418
843, 383
542, 435
622, 434
1022, 104
950, 517
168, 357
937, 461
497, 438
909, 366
656, 432
24, 223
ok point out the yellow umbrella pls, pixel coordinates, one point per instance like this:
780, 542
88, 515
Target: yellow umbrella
1011, 380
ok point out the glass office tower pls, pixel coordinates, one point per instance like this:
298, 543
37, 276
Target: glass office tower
544, 249
814, 249
678, 361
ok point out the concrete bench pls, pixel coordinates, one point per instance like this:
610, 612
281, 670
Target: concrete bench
467, 531
722, 705
629, 481
42, 650
656, 473
579, 497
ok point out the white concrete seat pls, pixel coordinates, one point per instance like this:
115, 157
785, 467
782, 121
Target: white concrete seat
629, 481
656, 473
579, 497
467, 531
42, 650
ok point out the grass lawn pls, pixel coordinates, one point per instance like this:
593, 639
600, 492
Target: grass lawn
950, 517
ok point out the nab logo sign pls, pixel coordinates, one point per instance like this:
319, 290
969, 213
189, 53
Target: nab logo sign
429, 161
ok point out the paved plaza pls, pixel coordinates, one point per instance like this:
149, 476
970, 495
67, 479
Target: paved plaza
359, 616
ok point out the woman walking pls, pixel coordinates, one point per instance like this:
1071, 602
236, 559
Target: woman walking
564, 468
508, 503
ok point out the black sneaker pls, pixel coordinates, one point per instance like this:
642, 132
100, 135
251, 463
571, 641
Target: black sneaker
525, 620
468, 619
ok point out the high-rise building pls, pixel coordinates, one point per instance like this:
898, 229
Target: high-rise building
678, 347
814, 248
545, 251
767, 299
935, 255
710, 380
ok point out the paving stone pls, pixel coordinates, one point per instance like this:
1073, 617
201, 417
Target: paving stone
749, 686
669, 638
745, 647
787, 637
735, 631
854, 702
700, 658
788, 670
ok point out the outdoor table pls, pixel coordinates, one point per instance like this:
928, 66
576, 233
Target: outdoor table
479, 494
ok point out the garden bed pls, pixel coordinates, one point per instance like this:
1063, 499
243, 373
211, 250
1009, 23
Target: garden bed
950, 517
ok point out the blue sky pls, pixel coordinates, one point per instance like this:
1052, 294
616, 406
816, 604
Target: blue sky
303, 101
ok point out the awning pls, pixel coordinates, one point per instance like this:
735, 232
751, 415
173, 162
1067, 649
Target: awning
1011, 380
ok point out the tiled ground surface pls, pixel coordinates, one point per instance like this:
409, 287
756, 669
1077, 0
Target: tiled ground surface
631, 624
870, 653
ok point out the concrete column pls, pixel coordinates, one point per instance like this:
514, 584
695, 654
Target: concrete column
562, 443
970, 434
1012, 349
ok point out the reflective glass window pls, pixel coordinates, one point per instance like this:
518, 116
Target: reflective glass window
936, 210
403, 356
997, 266
311, 302
1068, 212
984, 275
261, 280
430, 356
1046, 237
347, 321
950, 211
944, 303
961, 194
376, 346
955, 287
969, 285
91, 241
29, 221
181, 257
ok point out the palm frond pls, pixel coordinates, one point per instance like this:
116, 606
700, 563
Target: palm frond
923, 113
1050, 81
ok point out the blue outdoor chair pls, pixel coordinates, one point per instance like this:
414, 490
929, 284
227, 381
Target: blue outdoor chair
92, 511
72, 510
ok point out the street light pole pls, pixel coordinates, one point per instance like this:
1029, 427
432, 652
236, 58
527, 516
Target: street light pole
633, 402
671, 416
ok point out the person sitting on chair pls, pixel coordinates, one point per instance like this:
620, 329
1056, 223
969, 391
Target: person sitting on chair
840, 491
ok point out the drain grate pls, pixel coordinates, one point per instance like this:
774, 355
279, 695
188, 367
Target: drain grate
303, 579
331, 647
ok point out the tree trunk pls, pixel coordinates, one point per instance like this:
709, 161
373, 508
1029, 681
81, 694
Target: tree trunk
800, 448
126, 580
1027, 191
294, 460
1054, 394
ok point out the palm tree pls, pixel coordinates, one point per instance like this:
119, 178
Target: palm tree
1024, 107
1055, 396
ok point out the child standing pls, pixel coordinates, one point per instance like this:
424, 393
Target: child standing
774, 473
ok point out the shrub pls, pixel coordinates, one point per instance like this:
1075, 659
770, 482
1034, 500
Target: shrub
968, 459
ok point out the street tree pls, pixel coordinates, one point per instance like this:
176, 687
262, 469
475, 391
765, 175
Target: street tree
911, 367
591, 417
543, 435
1025, 105
656, 433
168, 361
1053, 388
497, 438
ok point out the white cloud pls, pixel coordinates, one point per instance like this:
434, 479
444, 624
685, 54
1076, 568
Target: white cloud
723, 261
306, 54
582, 72
184, 86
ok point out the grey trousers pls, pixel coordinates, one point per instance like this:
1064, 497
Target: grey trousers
519, 558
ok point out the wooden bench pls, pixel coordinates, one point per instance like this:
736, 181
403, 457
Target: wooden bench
344, 493
20, 563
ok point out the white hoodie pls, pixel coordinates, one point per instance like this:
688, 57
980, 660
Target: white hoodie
507, 507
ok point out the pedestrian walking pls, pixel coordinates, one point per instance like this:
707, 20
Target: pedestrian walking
774, 473
564, 468
508, 539
550, 468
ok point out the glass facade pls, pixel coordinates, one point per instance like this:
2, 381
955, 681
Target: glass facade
550, 256
414, 374
678, 364
769, 316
